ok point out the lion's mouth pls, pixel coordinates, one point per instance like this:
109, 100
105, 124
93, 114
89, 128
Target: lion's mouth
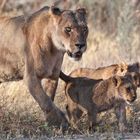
130, 101
76, 55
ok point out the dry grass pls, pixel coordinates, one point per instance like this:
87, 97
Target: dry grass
114, 37
21, 117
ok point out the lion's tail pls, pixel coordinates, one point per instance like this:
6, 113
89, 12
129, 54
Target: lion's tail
66, 78
78, 80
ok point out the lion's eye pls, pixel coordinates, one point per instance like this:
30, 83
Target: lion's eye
121, 70
68, 29
85, 29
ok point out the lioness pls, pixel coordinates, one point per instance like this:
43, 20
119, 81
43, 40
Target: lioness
95, 96
33, 47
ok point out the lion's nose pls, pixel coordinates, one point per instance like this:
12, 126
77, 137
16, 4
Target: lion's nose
80, 46
133, 98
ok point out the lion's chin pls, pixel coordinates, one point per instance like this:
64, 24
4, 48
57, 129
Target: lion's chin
76, 56
129, 103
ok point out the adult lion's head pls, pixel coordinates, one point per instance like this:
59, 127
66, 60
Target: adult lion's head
64, 30
71, 30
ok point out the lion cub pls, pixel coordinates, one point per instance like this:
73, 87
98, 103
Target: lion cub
101, 72
95, 96
106, 72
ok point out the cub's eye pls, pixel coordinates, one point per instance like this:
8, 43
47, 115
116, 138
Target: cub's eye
85, 29
135, 77
122, 70
68, 29
128, 89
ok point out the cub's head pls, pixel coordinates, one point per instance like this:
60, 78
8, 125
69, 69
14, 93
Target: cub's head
121, 69
125, 89
71, 31
135, 77
135, 67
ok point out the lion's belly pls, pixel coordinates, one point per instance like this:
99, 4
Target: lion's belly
12, 43
10, 75
11, 65
10, 72
105, 107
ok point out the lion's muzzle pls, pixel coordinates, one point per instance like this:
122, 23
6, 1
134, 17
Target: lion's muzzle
132, 99
76, 55
78, 52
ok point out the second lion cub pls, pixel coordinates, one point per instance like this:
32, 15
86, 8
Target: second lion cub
95, 96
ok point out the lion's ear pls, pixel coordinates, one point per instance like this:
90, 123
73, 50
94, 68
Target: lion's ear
55, 10
81, 10
116, 81
81, 14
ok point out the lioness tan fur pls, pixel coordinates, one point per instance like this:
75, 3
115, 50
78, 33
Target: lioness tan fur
33, 47
95, 96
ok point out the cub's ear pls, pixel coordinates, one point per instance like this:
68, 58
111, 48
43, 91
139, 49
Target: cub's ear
136, 66
55, 10
116, 80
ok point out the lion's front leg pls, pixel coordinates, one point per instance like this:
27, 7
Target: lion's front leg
54, 115
50, 87
120, 112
